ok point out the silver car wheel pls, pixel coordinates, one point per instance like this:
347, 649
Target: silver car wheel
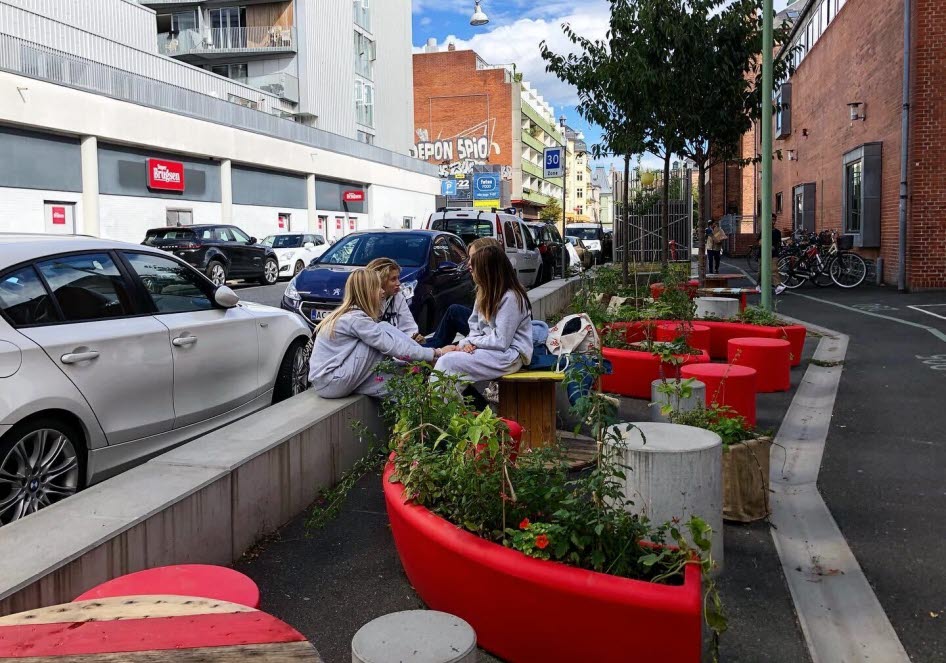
40, 469
300, 371
218, 274
271, 271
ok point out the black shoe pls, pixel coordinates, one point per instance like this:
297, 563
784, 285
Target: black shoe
476, 399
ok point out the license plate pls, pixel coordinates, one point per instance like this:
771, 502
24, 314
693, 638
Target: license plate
318, 314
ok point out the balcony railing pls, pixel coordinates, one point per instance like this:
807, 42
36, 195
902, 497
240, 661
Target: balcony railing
283, 85
208, 41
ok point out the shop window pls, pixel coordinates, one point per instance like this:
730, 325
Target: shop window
860, 194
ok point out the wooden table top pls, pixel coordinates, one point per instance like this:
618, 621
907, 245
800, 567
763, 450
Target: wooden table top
150, 629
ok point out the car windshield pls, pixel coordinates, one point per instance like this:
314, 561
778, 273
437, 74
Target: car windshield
466, 229
160, 234
406, 249
283, 241
584, 233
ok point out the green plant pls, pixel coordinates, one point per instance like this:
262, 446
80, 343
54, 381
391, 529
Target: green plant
675, 391
721, 419
755, 315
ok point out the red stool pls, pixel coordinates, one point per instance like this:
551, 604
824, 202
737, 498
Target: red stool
200, 580
727, 385
698, 336
770, 357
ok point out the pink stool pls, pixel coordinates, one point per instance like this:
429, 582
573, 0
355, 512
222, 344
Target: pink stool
698, 336
199, 580
727, 385
770, 357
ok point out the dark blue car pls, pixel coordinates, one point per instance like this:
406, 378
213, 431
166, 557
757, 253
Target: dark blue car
435, 273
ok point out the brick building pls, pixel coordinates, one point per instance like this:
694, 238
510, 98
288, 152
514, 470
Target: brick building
470, 116
839, 135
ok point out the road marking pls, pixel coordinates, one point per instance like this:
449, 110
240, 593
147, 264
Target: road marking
839, 614
921, 307
935, 332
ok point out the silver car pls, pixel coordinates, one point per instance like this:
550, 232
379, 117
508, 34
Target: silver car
111, 353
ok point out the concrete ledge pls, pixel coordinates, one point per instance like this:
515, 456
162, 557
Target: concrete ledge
553, 297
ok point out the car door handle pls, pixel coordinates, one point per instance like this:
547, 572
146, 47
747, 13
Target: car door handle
183, 341
76, 357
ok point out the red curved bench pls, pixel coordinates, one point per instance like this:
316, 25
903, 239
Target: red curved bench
633, 371
199, 580
635, 331
657, 289
734, 386
721, 331
697, 334
770, 357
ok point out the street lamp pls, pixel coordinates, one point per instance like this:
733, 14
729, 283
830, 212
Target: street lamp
478, 18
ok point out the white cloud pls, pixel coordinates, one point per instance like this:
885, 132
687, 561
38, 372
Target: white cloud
425, 21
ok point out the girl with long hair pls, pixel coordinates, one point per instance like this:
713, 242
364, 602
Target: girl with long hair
394, 307
351, 342
500, 338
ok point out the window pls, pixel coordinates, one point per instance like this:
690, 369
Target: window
810, 35
362, 13
364, 103
803, 207
441, 252
365, 137
528, 238
823, 15
179, 217
457, 250
580, 177
509, 235
778, 203
174, 288
580, 194
236, 72
24, 300
87, 287
783, 111
580, 210
365, 55
854, 178
239, 236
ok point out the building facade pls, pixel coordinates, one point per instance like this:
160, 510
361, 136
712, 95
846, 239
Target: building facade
579, 199
603, 180
839, 127
471, 117
110, 138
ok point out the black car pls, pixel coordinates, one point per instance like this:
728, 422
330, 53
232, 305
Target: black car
220, 252
550, 244
435, 273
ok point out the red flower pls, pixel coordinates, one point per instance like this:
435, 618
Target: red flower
524, 524
541, 542
415, 369
378, 378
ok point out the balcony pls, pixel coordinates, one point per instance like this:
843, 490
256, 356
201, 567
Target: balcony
283, 85
212, 44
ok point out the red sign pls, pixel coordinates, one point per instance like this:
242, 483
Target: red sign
165, 175
59, 216
338, 222
320, 223
282, 221
351, 224
353, 196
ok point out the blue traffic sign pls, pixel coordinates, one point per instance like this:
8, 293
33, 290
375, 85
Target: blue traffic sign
485, 186
554, 162
448, 187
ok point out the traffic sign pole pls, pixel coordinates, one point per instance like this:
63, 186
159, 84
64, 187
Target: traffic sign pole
564, 186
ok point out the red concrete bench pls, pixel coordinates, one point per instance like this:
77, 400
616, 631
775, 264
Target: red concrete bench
657, 289
200, 580
734, 386
635, 331
770, 357
721, 331
633, 371
697, 334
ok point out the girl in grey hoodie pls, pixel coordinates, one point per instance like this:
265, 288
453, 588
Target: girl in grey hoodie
351, 343
500, 339
394, 307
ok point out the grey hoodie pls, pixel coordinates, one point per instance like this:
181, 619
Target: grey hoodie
396, 311
344, 363
511, 329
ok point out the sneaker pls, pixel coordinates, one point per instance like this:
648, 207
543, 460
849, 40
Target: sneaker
780, 288
758, 289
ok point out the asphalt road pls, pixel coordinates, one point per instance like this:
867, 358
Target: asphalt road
269, 295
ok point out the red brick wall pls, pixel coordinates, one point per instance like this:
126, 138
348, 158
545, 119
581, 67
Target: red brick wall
926, 231
451, 97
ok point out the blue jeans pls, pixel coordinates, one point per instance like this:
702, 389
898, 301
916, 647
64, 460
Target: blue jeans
455, 321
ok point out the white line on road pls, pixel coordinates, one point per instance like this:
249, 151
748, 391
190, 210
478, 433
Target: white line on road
935, 332
921, 308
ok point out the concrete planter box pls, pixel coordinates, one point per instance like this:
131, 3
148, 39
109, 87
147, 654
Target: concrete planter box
658, 400
746, 480
525, 609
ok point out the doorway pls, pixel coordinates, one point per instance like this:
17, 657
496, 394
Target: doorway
227, 25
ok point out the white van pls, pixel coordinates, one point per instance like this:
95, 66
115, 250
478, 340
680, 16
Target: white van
469, 224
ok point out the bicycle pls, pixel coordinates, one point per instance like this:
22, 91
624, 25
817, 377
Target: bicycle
820, 260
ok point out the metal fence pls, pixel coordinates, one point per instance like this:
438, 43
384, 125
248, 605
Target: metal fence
41, 62
645, 243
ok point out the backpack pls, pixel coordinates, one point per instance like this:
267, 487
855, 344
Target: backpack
573, 334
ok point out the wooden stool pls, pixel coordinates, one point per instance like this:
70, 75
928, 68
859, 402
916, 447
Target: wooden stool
203, 580
528, 397
697, 335
770, 357
727, 385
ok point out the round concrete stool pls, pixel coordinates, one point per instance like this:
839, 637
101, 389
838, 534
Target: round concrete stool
698, 336
417, 636
677, 474
770, 357
727, 385
716, 307
198, 580
658, 400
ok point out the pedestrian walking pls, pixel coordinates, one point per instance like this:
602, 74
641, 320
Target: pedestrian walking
715, 237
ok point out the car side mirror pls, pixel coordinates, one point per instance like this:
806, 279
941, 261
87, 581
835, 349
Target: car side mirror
309, 245
446, 266
225, 297
252, 241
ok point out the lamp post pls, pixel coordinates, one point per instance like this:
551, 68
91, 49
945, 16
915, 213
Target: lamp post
765, 280
561, 123
479, 17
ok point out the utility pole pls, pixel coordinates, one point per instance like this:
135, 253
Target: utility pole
765, 282
561, 121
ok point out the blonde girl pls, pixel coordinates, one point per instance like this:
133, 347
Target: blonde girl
394, 307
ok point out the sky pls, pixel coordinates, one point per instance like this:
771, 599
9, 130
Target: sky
515, 29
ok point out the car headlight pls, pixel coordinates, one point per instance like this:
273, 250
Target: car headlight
291, 292
407, 289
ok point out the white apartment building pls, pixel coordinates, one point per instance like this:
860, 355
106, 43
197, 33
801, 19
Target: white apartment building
273, 115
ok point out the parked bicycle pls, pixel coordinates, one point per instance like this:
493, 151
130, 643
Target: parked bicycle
822, 259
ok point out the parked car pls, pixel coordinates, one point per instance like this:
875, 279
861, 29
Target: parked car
295, 250
469, 224
111, 353
435, 273
594, 237
550, 244
220, 252
585, 256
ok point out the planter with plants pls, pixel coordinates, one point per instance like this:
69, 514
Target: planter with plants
544, 564
745, 460
635, 366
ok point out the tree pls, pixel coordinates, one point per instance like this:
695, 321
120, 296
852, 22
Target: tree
552, 212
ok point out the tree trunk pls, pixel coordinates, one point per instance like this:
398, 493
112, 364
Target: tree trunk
701, 233
625, 241
665, 213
